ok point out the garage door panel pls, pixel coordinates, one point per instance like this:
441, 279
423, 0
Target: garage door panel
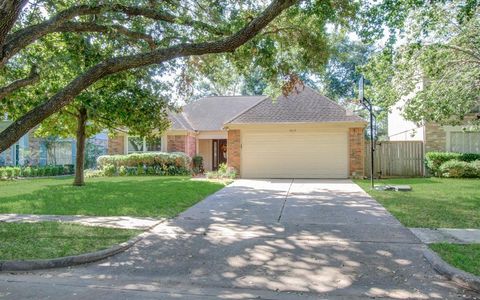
299, 154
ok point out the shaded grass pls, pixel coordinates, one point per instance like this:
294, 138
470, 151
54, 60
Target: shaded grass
110, 196
52, 239
464, 257
433, 202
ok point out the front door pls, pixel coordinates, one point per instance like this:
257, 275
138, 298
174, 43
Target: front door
219, 152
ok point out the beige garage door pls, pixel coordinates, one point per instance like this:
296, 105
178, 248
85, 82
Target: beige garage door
294, 153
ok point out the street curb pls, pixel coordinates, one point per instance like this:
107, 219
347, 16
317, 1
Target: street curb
458, 276
67, 261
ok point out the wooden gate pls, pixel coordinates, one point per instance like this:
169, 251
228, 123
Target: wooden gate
396, 159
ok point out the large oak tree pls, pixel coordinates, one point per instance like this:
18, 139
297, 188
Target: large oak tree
145, 33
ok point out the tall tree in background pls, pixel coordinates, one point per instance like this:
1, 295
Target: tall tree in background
435, 68
160, 33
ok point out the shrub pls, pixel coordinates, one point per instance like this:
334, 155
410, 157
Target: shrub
93, 173
197, 162
434, 160
224, 172
476, 166
458, 169
152, 163
469, 157
122, 171
109, 170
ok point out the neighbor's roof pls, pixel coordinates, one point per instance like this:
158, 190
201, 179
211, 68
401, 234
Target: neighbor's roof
302, 105
210, 113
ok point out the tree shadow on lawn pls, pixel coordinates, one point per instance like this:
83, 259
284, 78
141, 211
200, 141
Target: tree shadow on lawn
146, 196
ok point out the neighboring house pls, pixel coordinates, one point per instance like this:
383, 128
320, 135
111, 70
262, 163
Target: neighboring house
304, 135
31, 150
434, 137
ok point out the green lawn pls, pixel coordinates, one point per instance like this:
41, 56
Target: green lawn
433, 202
110, 196
52, 239
465, 257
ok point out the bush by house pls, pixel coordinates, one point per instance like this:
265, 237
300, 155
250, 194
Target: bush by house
451, 164
151, 163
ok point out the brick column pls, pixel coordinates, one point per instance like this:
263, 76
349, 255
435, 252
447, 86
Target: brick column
233, 150
356, 155
116, 145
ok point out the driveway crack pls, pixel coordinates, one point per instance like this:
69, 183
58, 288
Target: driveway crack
285, 200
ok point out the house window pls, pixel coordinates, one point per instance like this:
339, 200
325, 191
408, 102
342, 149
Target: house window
59, 153
467, 142
138, 144
135, 144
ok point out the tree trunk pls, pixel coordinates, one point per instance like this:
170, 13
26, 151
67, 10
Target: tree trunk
81, 137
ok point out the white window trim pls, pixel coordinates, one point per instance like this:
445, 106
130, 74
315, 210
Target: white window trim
163, 146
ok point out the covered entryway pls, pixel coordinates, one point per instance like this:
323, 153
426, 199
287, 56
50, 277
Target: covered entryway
295, 152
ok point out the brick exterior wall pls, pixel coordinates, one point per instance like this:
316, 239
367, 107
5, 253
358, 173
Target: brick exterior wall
191, 145
435, 138
356, 155
233, 150
176, 143
116, 145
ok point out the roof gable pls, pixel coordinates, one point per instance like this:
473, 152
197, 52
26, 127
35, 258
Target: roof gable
211, 113
303, 105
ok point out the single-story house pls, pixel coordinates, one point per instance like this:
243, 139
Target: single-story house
302, 135
36, 151
460, 138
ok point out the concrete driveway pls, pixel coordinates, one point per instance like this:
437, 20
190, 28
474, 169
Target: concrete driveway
267, 239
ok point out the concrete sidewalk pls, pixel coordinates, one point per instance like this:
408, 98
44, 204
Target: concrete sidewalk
259, 239
113, 222
447, 235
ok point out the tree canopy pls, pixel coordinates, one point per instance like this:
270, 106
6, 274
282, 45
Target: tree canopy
435, 69
279, 37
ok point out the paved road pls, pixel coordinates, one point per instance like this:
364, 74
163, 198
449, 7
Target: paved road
278, 239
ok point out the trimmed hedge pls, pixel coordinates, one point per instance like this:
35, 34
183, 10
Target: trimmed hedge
37, 171
151, 163
434, 160
460, 169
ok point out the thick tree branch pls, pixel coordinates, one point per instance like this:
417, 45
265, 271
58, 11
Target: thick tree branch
12, 87
94, 27
9, 11
21, 126
464, 50
23, 37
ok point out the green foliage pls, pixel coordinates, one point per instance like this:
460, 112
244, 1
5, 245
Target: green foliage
152, 163
109, 170
122, 171
460, 169
38, 171
223, 172
197, 161
434, 160
435, 70
89, 173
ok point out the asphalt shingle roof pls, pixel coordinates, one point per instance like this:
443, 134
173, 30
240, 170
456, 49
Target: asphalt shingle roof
211, 113
302, 105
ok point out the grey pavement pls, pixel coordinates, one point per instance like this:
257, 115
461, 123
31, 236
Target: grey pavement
113, 222
259, 239
447, 235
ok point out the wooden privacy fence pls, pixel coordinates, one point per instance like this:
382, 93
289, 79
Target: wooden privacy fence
396, 159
